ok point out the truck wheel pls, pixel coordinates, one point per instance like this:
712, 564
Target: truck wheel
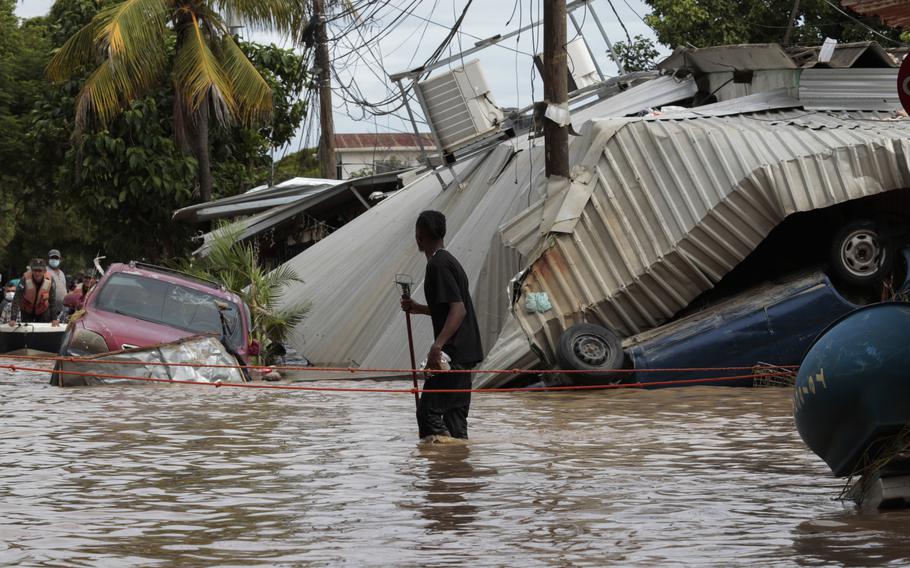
589, 347
861, 253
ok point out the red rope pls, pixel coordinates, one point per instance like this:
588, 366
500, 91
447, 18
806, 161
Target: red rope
218, 384
353, 370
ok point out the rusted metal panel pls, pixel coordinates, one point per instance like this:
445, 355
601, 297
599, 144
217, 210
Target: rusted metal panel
893, 12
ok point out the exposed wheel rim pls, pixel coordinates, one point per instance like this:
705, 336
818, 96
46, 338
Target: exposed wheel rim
861, 253
591, 349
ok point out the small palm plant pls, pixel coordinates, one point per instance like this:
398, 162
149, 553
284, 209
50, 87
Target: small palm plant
235, 264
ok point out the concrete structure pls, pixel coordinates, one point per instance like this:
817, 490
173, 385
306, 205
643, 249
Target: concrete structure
378, 153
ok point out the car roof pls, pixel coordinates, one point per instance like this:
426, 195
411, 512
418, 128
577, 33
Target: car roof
174, 276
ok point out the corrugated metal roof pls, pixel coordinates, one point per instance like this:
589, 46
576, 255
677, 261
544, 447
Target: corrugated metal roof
849, 89
760, 102
771, 56
254, 200
669, 205
859, 54
655, 93
380, 140
349, 276
729, 57
676, 204
893, 12
283, 209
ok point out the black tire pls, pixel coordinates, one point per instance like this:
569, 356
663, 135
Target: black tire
589, 347
861, 254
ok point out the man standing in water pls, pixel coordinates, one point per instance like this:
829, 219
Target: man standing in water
449, 304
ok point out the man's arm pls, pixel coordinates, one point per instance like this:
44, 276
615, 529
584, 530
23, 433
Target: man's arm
456, 315
414, 307
55, 306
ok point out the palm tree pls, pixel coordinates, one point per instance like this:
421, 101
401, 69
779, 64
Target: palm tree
235, 264
134, 46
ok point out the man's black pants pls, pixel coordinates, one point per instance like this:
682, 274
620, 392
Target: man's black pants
445, 413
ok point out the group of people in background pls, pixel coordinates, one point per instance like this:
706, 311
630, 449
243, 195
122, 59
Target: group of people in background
44, 294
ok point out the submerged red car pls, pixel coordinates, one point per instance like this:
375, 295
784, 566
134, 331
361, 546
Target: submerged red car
139, 305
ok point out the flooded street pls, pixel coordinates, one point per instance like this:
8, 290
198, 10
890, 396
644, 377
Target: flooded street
139, 475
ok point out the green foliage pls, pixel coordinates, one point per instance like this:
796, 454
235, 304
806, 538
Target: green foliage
240, 155
703, 23
236, 265
304, 163
636, 56
23, 49
113, 189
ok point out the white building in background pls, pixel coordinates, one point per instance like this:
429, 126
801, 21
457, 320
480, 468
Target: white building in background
362, 154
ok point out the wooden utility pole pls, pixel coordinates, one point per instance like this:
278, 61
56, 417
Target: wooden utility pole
555, 86
324, 67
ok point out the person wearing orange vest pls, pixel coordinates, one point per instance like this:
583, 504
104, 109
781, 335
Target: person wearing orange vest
36, 297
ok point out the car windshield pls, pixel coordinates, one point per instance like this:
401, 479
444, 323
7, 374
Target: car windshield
168, 304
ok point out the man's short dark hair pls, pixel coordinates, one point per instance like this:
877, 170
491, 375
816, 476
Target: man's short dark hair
432, 224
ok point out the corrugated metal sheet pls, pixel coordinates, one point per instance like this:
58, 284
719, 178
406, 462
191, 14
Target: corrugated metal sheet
775, 99
668, 206
679, 203
724, 88
656, 93
349, 276
859, 54
256, 199
381, 140
728, 57
849, 89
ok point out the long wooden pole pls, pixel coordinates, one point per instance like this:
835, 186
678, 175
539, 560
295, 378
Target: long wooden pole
413, 360
324, 66
555, 86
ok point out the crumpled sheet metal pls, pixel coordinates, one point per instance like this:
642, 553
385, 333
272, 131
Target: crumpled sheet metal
679, 203
201, 351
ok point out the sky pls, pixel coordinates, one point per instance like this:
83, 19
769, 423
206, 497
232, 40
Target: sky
508, 66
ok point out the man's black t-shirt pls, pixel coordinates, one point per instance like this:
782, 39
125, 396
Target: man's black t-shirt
446, 282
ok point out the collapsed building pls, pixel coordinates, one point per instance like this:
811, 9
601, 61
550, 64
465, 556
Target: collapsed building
677, 176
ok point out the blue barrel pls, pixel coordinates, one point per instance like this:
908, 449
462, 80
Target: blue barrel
853, 387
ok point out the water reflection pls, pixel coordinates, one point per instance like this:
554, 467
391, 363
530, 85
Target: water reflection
448, 481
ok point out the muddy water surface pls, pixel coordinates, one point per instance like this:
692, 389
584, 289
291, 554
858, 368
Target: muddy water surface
139, 475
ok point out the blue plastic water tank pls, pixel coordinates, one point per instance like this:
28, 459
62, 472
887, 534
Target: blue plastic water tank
853, 387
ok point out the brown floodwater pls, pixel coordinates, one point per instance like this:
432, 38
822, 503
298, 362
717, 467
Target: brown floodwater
148, 475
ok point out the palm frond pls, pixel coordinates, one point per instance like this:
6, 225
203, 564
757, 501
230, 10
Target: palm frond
265, 15
200, 75
252, 93
133, 33
79, 50
235, 264
103, 95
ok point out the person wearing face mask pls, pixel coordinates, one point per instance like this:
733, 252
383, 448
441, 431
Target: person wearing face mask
56, 274
6, 304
